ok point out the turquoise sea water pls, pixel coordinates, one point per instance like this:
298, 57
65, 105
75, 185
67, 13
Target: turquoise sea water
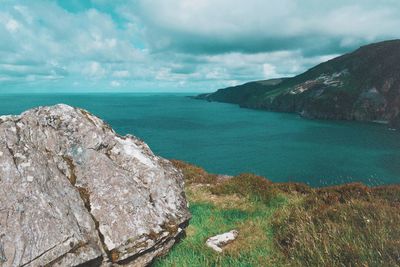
226, 139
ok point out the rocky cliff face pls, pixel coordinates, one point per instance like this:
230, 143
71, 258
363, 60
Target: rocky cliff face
363, 85
73, 192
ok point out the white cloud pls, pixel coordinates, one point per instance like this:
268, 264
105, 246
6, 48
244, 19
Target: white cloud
121, 74
94, 70
115, 83
37, 34
270, 71
162, 44
12, 25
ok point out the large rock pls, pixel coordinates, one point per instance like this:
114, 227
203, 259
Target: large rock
74, 192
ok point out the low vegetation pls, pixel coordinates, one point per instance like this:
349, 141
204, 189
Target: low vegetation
287, 224
349, 225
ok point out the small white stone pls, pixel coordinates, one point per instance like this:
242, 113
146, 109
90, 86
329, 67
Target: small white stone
29, 178
1, 153
219, 241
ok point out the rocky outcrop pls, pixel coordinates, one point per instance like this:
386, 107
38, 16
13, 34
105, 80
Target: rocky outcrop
363, 85
73, 192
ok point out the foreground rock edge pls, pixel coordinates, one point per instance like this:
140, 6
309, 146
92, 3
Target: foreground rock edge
74, 192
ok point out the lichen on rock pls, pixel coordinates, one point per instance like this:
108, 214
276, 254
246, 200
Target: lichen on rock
73, 192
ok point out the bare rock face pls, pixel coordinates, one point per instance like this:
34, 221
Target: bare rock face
73, 192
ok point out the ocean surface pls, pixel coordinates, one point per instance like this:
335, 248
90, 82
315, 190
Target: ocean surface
226, 139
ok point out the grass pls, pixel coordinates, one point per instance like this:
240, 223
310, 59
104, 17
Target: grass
287, 224
349, 225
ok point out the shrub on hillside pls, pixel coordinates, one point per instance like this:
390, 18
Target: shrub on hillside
390, 193
194, 174
291, 188
248, 185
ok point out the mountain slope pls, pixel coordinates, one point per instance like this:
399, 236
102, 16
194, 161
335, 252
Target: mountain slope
363, 85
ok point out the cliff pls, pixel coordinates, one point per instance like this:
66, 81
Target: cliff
363, 85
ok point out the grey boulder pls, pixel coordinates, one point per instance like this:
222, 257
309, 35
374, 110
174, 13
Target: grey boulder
73, 192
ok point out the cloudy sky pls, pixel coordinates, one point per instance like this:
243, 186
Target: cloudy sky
178, 45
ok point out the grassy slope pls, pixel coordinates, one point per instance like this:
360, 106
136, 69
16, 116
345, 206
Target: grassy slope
288, 224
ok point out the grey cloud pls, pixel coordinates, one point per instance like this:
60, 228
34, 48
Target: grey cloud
220, 26
179, 44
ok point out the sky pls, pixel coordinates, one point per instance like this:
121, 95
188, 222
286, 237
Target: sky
177, 45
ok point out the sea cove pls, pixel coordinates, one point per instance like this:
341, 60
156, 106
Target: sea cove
224, 138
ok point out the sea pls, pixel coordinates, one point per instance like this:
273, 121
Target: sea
226, 139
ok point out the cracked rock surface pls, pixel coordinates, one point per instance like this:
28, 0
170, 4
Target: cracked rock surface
73, 192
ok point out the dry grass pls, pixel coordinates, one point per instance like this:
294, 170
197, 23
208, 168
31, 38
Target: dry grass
349, 225
215, 212
201, 194
251, 186
288, 224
